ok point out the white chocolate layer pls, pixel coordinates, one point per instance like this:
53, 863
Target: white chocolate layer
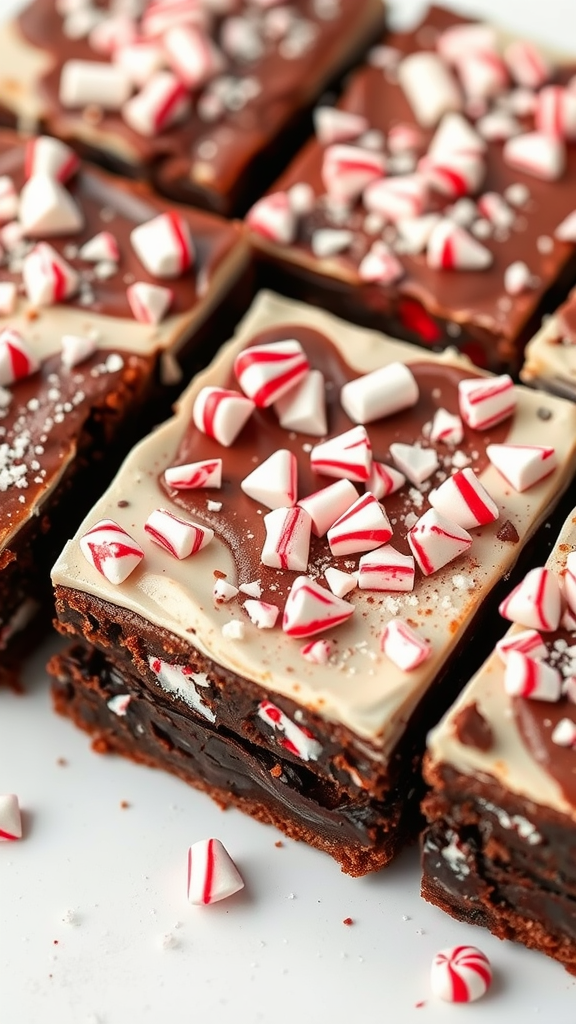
547, 360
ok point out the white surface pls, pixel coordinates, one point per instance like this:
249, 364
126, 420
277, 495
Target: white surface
278, 952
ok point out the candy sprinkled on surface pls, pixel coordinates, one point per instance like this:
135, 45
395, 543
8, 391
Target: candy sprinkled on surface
212, 874
461, 974
10, 819
112, 551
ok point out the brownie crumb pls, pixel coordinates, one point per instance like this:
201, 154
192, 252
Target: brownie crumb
124, 805
219, 575
61, 762
472, 729
544, 414
276, 771
123, 503
508, 533
278, 844
99, 745
348, 921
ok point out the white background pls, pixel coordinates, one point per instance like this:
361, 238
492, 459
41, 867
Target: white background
278, 953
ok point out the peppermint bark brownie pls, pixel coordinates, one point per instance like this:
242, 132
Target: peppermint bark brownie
95, 300
206, 99
550, 358
498, 849
247, 614
429, 204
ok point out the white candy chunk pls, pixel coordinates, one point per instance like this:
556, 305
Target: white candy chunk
311, 609
17, 359
404, 138
179, 537
149, 302
274, 218
111, 33
253, 589
566, 230
8, 297
380, 265
162, 102
111, 551
570, 582
543, 156
464, 212
48, 279
403, 645
212, 874
446, 428
347, 170
333, 125
86, 82
384, 480
192, 55
415, 232
241, 39
10, 818
527, 64
517, 278
76, 349
164, 245
349, 455
50, 158
464, 499
262, 614
303, 408
381, 393
102, 247
522, 466
386, 569
417, 464
535, 603
528, 642
555, 113
194, 475
495, 209
326, 242
9, 201
301, 198
340, 583
564, 733
297, 739
223, 592
140, 61
459, 40
451, 247
221, 414
436, 540
483, 74
119, 704
327, 505
498, 125
362, 527
317, 651
455, 134
274, 483
397, 198
484, 402
526, 677
429, 86
266, 372
287, 543
47, 208
161, 15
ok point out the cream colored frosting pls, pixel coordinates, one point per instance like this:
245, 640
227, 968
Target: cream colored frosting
547, 360
361, 688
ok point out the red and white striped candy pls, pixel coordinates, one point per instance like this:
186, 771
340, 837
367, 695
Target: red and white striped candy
340, 583
564, 734
535, 603
386, 569
404, 138
347, 170
317, 652
568, 621
415, 232
543, 156
483, 74
384, 480
51, 158
463, 498
48, 279
498, 125
436, 540
193, 475
287, 543
517, 277
403, 646
222, 592
555, 112
455, 135
161, 15
327, 505
348, 456
112, 551
149, 302
397, 198
17, 360
462, 39
164, 245
9, 199
162, 102
495, 209
274, 482
569, 579
333, 125
221, 414
177, 536
262, 614
566, 230
429, 86
109, 35
87, 82
460, 975
266, 372
311, 609
102, 247
526, 64
363, 527
486, 402
303, 408
140, 60
380, 393
522, 465
274, 218
47, 208
454, 174
297, 739
8, 297
76, 349
526, 677
528, 642
380, 265
192, 55
415, 463
212, 874
451, 247
10, 818
446, 427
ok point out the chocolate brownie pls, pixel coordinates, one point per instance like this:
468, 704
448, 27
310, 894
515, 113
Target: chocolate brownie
550, 358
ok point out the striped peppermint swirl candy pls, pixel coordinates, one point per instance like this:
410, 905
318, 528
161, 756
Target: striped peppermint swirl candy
207, 473
212, 874
460, 974
311, 609
346, 456
112, 551
363, 527
48, 279
164, 245
266, 372
535, 603
177, 536
17, 360
50, 157
527, 677
10, 818
295, 738
221, 414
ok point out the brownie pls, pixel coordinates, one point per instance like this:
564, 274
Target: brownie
213, 651
245, 75
498, 847
71, 407
550, 357
429, 231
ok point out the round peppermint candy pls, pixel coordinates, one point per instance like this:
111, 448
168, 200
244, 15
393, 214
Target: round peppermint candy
460, 975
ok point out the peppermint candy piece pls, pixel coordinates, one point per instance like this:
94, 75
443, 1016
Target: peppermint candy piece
326, 242
9, 199
262, 614
333, 125
297, 739
86, 82
193, 475
266, 372
164, 245
415, 463
222, 592
10, 818
522, 466
112, 551
384, 480
564, 734
192, 55
517, 278
454, 174
386, 569
526, 677
48, 279
397, 198
287, 543
162, 102
461, 974
221, 414
275, 482
483, 74
403, 646
149, 302
161, 15
463, 498
327, 505
464, 39
8, 297
527, 65
535, 603
446, 428
486, 402
451, 247
348, 455
347, 170
455, 135
303, 408
212, 874
527, 641
340, 583
362, 527
301, 198
103, 247
50, 158
140, 60
380, 393
570, 582
495, 209
317, 652
380, 265
17, 360
543, 156
498, 125
47, 208
566, 230
555, 112
311, 609
274, 218
415, 232
429, 87
111, 33
404, 138
436, 540
119, 704
179, 537
76, 350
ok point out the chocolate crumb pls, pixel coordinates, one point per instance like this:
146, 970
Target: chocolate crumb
124, 805
276, 771
472, 729
544, 414
123, 503
219, 575
508, 533
348, 921
61, 762
278, 844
